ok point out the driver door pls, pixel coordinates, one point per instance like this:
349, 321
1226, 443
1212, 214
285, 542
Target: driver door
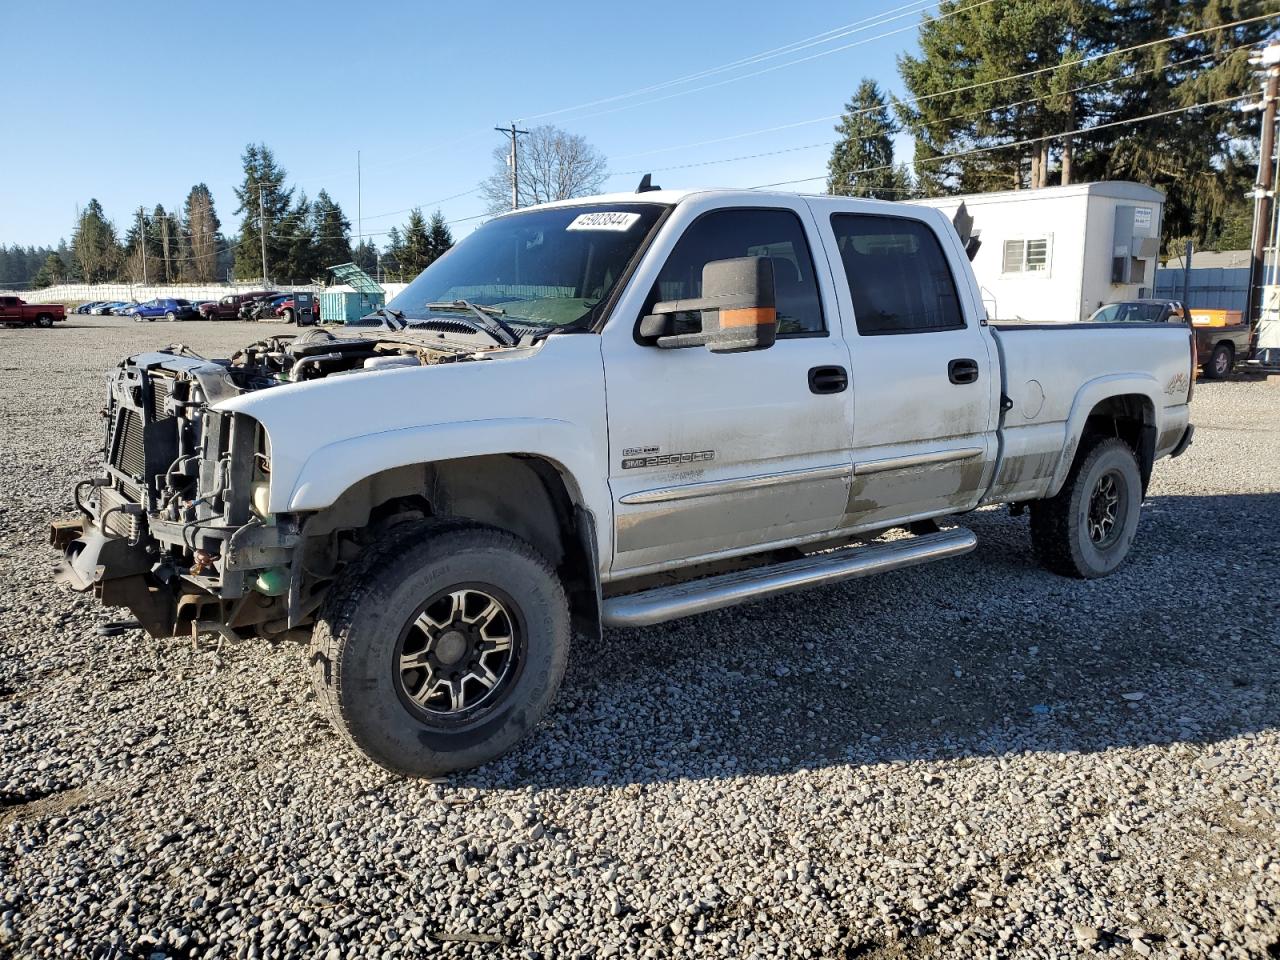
719, 454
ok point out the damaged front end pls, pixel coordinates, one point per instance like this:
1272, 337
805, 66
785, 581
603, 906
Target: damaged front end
175, 527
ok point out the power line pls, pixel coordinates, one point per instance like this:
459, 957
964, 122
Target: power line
795, 46
425, 203
940, 120
783, 66
1019, 143
931, 96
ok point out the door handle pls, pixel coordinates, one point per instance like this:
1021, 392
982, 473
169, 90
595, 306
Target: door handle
828, 379
962, 370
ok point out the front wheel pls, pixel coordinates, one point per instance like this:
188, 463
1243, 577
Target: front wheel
440, 649
1086, 530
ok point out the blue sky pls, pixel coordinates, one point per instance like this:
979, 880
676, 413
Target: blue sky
133, 102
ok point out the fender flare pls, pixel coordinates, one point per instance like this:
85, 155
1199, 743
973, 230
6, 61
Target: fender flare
1092, 393
331, 469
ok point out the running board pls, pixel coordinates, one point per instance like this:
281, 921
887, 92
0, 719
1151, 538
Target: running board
713, 593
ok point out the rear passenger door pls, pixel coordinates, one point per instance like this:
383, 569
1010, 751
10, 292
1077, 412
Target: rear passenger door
926, 390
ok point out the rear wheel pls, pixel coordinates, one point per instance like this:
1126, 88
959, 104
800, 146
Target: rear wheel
288, 315
1086, 530
171, 316
44, 321
1220, 362
441, 648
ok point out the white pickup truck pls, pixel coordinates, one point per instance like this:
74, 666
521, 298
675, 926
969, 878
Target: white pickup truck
614, 411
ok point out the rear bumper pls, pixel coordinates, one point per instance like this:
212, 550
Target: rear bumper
1185, 442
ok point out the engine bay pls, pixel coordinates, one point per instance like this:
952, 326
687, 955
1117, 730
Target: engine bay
317, 354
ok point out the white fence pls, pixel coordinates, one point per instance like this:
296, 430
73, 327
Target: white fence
84, 292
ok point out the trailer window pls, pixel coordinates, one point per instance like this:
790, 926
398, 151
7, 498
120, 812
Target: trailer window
1026, 256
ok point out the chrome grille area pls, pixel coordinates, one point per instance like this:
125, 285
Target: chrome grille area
126, 446
161, 387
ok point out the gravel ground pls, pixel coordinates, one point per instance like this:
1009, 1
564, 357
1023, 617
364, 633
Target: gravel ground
968, 759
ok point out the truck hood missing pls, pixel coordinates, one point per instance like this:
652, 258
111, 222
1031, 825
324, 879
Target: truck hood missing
540, 400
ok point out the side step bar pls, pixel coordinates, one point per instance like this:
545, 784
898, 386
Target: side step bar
713, 593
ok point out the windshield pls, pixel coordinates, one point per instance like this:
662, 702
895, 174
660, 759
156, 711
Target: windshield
1129, 313
548, 268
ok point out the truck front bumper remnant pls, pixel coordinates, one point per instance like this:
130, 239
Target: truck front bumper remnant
117, 571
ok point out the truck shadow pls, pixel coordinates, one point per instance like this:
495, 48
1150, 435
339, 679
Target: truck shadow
980, 656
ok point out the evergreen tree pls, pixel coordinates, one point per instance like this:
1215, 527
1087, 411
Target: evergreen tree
261, 189
72, 273
965, 105
392, 254
415, 251
203, 239
332, 232
164, 232
19, 265
439, 238
53, 271
1204, 160
301, 263
861, 163
94, 246
142, 258
365, 256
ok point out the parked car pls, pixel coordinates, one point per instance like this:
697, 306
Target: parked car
284, 308
228, 308
254, 309
1218, 348
86, 307
16, 312
271, 306
122, 308
168, 308
672, 402
106, 306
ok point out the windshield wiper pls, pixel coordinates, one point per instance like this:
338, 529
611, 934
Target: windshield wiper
487, 320
391, 319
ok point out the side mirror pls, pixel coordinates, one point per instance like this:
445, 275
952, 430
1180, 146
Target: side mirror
738, 309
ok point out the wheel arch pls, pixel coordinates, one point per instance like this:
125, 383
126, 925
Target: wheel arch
531, 496
1121, 407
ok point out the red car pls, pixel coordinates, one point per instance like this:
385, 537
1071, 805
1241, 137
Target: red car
16, 312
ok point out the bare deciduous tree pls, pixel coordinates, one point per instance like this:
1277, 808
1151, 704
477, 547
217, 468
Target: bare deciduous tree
553, 165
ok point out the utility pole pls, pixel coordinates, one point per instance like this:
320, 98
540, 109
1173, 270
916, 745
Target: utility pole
1264, 194
1186, 274
142, 246
513, 162
262, 233
359, 203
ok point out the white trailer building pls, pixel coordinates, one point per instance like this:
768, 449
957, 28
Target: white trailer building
1058, 253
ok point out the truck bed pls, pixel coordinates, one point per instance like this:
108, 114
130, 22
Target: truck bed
1054, 374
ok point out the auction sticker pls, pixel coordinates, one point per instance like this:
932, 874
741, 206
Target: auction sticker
605, 220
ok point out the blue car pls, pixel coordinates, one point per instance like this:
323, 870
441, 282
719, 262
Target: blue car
166, 307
